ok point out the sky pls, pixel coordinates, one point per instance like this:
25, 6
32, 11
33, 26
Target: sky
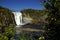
18, 5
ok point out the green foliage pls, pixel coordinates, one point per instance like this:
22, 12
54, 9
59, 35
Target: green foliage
6, 24
9, 30
8, 34
32, 12
42, 37
3, 37
12, 38
22, 37
53, 29
31, 37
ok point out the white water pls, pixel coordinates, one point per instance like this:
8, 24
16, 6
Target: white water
18, 18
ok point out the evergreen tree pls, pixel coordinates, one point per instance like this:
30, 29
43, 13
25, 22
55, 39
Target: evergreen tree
53, 28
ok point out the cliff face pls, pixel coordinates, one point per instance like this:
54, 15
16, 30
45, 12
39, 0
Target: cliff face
6, 16
36, 15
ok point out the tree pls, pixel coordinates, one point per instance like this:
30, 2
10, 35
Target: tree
53, 29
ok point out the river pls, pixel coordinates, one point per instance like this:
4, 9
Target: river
35, 35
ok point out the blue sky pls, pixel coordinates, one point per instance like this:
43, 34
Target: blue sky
18, 5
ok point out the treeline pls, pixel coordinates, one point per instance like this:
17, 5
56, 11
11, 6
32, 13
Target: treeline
33, 12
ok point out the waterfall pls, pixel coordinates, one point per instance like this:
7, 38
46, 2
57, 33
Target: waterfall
18, 18
19, 23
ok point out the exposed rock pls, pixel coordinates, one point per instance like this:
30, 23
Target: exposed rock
37, 16
6, 16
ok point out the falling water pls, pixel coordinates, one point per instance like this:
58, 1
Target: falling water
18, 18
